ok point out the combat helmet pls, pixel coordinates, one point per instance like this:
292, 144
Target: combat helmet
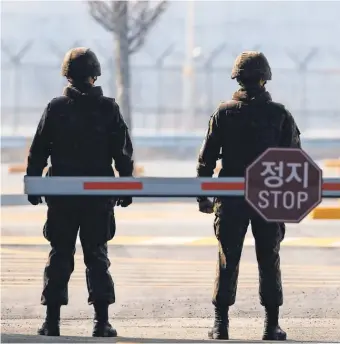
251, 65
80, 63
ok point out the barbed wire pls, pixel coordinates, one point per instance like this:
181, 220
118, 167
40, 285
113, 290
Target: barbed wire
13, 51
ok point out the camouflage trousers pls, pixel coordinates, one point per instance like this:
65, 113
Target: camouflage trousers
232, 218
96, 225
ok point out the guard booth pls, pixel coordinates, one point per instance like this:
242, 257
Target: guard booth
282, 185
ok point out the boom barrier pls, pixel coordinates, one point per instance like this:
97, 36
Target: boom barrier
150, 186
282, 185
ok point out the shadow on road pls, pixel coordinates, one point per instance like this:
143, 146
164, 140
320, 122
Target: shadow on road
21, 338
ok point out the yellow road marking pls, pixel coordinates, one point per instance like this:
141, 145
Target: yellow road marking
30, 240
182, 267
180, 286
209, 282
38, 218
292, 242
212, 241
321, 242
172, 279
20, 270
27, 256
174, 271
183, 241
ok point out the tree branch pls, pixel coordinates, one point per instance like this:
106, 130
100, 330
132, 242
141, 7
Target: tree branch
103, 14
138, 28
6, 49
138, 9
16, 58
119, 8
143, 21
141, 17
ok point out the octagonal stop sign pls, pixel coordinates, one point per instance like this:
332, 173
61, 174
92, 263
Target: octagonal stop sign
283, 185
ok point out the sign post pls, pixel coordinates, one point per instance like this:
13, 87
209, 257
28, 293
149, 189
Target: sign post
283, 185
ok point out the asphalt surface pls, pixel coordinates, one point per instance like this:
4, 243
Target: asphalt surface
163, 263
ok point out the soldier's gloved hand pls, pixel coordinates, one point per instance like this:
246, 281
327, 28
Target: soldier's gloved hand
205, 206
124, 201
34, 200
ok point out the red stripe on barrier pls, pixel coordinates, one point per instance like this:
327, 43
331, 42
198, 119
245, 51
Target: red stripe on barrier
113, 186
239, 186
331, 186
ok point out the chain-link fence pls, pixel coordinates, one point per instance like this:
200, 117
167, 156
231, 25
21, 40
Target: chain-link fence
158, 93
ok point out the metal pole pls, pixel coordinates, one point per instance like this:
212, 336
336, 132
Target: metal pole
160, 66
112, 78
189, 72
209, 85
302, 67
16, 60
16, 97
209, 70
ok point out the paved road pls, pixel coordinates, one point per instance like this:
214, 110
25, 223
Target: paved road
163, 262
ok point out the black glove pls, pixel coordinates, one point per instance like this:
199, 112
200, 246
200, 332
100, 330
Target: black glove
124, 201
205, 206
34, 200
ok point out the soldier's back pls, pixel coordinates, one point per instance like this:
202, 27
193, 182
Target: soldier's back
249, 128
81, 134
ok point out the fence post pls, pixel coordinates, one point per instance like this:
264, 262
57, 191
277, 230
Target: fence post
302, 67
208, 66
159, 67
189, 90
16, 60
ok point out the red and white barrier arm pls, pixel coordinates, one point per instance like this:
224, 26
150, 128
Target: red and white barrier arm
150, 187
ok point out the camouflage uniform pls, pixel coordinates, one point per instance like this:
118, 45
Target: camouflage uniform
239, 131
82, 132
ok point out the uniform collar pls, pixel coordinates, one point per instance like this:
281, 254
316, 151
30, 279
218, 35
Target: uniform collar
257, 93
73, 91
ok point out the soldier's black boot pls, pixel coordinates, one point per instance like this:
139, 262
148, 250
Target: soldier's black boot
220, 330
51, 325
102, 327
272, 330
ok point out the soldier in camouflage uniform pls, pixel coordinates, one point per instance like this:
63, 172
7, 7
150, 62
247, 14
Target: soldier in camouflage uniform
241, 129
82, 132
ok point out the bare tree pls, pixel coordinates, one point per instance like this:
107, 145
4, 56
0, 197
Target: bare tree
129, 22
